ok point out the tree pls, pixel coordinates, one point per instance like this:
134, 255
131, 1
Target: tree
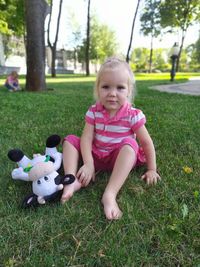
35, 13
150, 23
179, 14
11, 23
75, 39
12, 17
197, 50
132, 29
193, 55
102, 42
139, 59
53, 46
87, 50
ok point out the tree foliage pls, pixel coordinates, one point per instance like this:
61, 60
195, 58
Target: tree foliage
139, 59
195, 52
150, 18
150, 23
75, 38
197, 47
102, 42
179, 14
76, 33
12, 17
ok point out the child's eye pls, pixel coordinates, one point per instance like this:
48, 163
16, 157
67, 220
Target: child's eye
105, 86
120, 88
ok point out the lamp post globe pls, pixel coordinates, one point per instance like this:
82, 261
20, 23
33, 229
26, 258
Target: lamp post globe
174, 53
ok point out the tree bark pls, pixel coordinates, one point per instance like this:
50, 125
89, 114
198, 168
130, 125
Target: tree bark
151, 55
131, 38
36, 12
87, 52
53, 46
180, 51
2, 60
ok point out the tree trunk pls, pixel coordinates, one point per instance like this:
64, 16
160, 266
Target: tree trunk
53, 61
36, 12
131, 38
180, 51
53, 46
75, 59
87, 53
151, 55
2, 59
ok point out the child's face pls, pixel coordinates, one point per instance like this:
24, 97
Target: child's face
113, 90
15, 75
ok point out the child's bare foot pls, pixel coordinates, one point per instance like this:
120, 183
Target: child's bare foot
111, 208
69, 190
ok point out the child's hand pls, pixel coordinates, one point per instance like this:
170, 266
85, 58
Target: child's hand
151, 177
86, 173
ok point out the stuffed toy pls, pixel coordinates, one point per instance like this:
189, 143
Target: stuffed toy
47, 183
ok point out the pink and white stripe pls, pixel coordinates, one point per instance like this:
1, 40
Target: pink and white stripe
109, 132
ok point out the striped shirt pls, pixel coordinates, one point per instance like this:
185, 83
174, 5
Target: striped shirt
109, 132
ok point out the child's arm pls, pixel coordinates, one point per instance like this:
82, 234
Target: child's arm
151, 176
86, 172
9, 82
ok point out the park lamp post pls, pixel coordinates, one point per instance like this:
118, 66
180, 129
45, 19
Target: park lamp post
174, 55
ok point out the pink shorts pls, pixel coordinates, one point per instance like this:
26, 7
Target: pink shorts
107, 163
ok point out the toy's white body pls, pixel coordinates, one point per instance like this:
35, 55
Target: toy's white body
41, 170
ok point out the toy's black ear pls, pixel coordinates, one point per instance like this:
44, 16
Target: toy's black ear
15, 155
30, 201
68, 179
53, 141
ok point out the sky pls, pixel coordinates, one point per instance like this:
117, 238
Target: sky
118, 15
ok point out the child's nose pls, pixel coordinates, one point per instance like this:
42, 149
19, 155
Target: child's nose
113, 91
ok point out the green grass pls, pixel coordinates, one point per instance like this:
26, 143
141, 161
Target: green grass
160, 224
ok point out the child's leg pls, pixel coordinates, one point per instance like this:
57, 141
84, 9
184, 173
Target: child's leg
16, 86
70, 164
122, 167
10, 89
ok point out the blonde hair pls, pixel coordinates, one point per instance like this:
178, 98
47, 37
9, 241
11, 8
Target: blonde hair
14, 73
113, 63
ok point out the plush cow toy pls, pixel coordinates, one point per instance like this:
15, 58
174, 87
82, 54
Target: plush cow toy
47, 183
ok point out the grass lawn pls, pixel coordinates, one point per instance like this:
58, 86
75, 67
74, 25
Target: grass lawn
160, 225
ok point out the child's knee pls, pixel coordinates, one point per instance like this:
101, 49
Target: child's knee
129, 152
131, 144
71, 140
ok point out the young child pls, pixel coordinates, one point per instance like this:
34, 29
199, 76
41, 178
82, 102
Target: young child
108, 141
12, 83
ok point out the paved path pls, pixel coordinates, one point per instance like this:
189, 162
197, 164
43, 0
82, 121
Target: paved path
192, 87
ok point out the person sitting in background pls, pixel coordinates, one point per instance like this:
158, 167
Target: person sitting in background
12, 83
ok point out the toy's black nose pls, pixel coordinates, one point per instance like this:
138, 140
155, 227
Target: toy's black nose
68, 179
